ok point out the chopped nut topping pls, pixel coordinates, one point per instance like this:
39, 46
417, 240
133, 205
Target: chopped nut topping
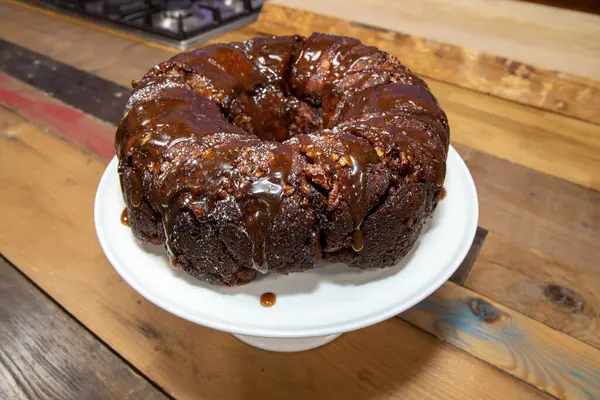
145, 137
312, 154
153, 167
258, 172
414, 177
288, 190
345, 161
208, 153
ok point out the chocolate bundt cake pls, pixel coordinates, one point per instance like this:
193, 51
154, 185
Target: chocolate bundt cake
274, 153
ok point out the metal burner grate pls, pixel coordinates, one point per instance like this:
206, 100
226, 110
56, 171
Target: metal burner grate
175, 22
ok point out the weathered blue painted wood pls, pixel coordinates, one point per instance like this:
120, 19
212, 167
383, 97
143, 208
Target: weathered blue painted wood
527, 349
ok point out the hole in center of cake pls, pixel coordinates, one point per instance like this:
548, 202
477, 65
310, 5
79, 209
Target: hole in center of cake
271, 115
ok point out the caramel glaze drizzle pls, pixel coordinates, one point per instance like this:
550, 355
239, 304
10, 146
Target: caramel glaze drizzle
340, 164
214, 124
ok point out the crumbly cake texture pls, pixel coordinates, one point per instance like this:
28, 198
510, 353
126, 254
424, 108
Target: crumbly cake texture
275, 153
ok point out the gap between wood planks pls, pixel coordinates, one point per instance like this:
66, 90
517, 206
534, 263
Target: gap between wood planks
65, 181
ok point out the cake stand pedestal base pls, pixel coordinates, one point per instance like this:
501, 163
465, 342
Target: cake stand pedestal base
286, 345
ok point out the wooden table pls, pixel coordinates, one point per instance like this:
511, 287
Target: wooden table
519, 320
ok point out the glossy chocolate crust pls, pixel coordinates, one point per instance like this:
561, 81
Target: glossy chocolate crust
277, 152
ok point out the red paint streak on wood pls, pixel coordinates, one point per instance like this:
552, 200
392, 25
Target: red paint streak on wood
62, 113
74, 125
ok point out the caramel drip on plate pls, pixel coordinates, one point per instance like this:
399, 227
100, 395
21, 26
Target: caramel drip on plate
268, 299
125, 217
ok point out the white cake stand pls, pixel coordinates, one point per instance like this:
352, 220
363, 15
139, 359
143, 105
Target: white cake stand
312, 308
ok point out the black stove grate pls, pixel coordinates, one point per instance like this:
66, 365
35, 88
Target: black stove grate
178, 22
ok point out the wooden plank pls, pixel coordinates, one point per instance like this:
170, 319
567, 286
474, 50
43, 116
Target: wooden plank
543, 141
549, 215
50, 236
87, 92
478, 70
543, 232
45, 353
483, 71
522, 347
523, 135
561, 296
118, 58
560, 40
78, 127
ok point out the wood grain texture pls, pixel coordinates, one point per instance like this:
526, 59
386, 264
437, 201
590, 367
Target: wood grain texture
561, 296
563, 147
541, 140
118, 58
50, 236
483, 71
549, 215
551, 38
46, 354
87, 92
543, 232
78, 127
522, 135
526, 349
